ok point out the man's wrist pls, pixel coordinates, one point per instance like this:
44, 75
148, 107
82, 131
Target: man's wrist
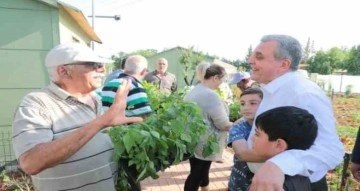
99, 123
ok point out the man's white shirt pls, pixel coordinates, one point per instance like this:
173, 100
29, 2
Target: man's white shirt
292, 89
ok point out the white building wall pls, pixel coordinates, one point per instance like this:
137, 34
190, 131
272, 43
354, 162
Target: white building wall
337, 82
70, 31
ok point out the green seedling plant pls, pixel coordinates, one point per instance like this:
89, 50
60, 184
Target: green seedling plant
165, 138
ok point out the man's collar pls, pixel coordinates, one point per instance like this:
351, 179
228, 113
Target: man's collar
125, 75
63, 94
58, 91
278, 83
156, 72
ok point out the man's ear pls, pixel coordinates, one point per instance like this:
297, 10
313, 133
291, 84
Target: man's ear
286, 64
143, 72
64, 72
281, 145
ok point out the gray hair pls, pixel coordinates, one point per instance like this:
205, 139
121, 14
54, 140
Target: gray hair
162, 59
287, 48
135, 64
53, 75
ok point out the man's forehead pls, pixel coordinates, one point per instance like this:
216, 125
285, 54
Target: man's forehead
270, 45
265, 48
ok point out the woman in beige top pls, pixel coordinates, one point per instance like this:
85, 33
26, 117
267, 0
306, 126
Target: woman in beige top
216, 115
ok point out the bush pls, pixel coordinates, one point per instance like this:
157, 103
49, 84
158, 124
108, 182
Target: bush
348, 90
165, 138
235, 112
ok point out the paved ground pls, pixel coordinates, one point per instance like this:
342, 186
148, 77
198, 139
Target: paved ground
173, 178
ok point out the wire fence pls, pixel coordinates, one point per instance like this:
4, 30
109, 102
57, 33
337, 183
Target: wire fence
7, 156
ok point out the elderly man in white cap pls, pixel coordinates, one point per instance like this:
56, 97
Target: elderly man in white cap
243, 81
57, 134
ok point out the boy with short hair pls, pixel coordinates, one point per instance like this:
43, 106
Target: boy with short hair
285, 128
240, 174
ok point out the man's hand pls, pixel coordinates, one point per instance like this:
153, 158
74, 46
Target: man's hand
268, 178
115, 115
355, 170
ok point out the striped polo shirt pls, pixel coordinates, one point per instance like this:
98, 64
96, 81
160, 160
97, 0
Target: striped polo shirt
50, 114
137, 100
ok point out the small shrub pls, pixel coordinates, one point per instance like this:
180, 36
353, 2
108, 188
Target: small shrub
348, 90
235, 112
330, 89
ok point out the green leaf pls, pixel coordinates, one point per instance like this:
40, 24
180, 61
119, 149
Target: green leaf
166, 128
6, 178
128, 142
155, 134
142, 175
215, 147
185, 137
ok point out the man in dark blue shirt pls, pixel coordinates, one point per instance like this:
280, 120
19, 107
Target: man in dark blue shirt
355, 159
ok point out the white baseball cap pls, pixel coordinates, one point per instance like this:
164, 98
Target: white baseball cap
69, 53
238, 76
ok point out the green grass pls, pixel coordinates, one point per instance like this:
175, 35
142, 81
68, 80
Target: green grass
347, 131
356, 116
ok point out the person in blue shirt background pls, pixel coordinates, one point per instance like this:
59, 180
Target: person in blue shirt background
116, 72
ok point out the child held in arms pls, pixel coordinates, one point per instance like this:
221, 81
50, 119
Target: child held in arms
277, 130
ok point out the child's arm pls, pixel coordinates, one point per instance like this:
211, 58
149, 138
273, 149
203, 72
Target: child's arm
243, 153
238, 120
237, 140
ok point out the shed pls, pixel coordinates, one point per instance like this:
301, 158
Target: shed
28, 30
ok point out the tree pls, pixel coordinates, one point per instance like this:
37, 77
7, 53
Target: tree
244, 65
319, 63
190, 59
121, 55
118, 59
147, 53
326, 62
337, 57
308, 51
237, 63
353, 62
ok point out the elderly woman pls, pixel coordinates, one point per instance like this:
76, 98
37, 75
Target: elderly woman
216, 115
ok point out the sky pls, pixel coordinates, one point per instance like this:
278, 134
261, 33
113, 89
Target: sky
225, 28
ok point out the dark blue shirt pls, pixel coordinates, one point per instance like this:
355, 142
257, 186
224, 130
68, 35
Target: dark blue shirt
356, 151
240, 174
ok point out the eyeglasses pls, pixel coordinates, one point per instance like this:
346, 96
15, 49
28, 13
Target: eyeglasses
93, 65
